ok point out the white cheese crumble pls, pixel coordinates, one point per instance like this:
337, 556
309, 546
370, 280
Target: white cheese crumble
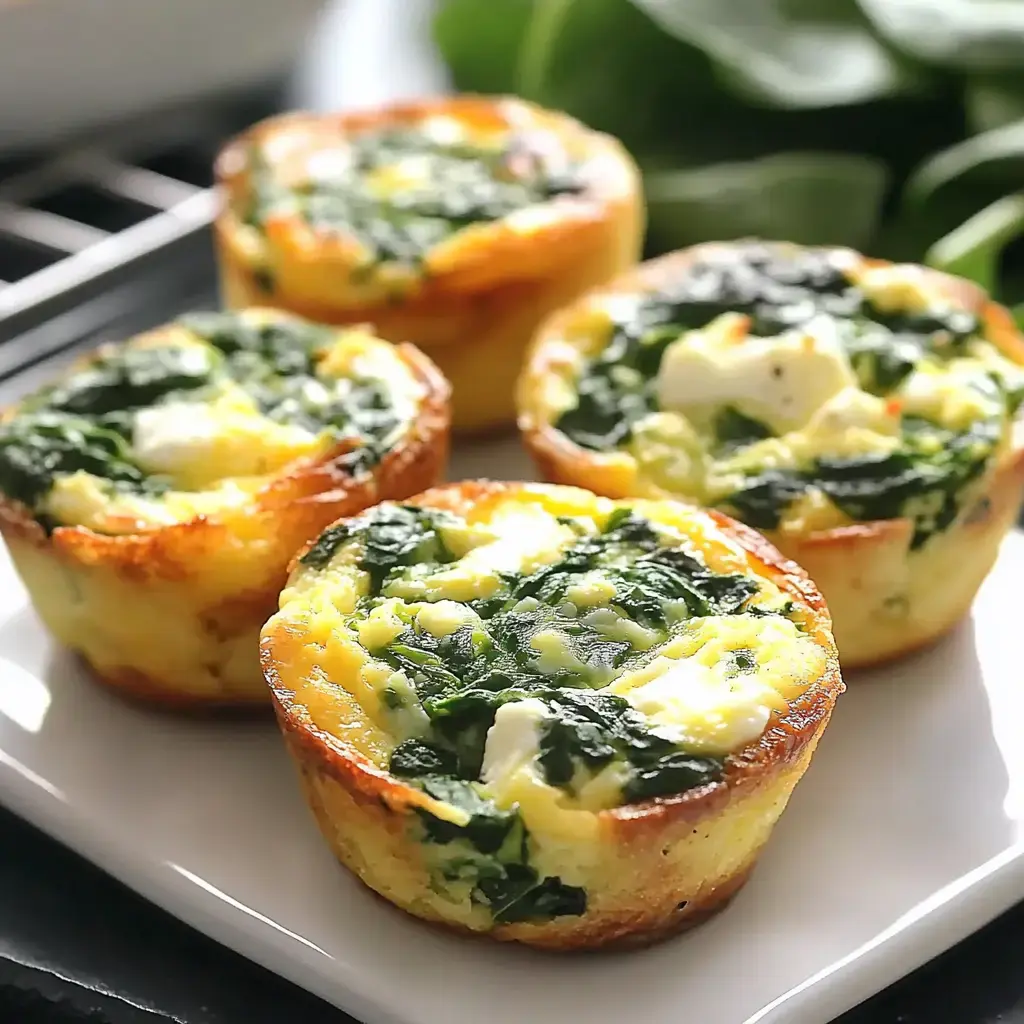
513, 741
199, 442
782, 380
167, 436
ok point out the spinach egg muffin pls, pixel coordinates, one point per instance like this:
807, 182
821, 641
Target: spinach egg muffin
456, 224
862, 415
152, 499
526, 711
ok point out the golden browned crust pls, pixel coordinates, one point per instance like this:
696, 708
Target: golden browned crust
482, 294
866, 571
659, 866
199, 591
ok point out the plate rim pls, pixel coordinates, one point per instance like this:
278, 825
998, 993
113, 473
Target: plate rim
935, 924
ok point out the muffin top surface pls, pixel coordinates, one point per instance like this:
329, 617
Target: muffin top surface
796, 389
196, 417
399, 186
543, 649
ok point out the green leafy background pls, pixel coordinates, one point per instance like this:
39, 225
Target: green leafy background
896, 126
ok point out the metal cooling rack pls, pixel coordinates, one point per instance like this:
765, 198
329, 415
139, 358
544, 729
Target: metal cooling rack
79, 223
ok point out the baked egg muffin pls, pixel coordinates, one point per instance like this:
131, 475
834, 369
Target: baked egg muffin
456, 224
862, 415
529, 712
152, 499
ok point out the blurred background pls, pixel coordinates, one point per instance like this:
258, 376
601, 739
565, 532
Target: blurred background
893, 125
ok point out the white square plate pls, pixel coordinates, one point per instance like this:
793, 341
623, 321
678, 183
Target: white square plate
904, 837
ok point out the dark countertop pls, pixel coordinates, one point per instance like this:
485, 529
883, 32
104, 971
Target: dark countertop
77, 947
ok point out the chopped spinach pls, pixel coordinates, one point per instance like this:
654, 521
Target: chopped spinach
487, 829
263, 278
766, 495
501, 877
402, 535
779, 288
412, 758
587, 731
617, 388
521, 895
322, 550
128, 378
663, 579
86, 421
880, 359
462, 679
923, 479
733, 430
741, 661
36, 447
276, 361
392, 536
672, 773
461, 185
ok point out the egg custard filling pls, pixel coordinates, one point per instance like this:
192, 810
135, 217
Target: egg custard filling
399, 190
536, 661
796, 389
195, 418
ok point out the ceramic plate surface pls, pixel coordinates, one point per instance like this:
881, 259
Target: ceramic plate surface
905, 835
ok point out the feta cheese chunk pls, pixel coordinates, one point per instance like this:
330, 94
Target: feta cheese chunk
782, 381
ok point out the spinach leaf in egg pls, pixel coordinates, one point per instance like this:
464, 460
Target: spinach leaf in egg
37, 447
924, 479
587, 731
279, 347
519, 894
457, 184
392, 536
499, 873
128, 378
880, 359
734, 430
